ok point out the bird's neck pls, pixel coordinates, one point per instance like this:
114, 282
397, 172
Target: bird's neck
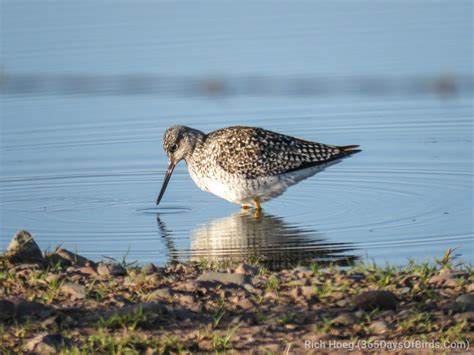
196, 139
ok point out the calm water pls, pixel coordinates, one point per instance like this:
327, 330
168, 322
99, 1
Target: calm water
88, 89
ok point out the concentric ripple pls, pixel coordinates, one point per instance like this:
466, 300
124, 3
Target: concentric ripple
91, 185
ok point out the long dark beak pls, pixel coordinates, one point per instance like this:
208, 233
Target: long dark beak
171, 166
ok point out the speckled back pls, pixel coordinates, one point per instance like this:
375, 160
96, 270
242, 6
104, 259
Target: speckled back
255, 152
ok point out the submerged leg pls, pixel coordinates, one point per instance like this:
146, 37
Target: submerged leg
256, 201
257, 214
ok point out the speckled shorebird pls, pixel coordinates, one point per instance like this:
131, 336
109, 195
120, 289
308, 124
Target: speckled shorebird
246, 165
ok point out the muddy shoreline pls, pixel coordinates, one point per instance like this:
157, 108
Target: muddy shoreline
63, 302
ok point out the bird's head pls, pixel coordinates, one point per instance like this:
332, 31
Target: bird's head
179, 143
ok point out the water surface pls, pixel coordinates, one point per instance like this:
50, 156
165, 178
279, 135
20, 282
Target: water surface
86, 99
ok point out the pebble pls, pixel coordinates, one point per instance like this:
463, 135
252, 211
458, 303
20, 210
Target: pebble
378, 327
443, 276
23, 249
337, 295
246, 304
404, 290
344, 319
111, 269
186, 298
45, 343
466, 302
159, 294
224, 278
469, 316
246, 269
88, 270
343, 303
270, 295
74, 291
73, 258
370, 300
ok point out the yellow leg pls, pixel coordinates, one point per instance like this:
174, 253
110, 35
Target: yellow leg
257, 214
256, 201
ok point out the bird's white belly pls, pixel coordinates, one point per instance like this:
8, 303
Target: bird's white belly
239, 190
223, 185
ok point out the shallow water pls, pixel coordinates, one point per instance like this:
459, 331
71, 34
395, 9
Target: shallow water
81, 155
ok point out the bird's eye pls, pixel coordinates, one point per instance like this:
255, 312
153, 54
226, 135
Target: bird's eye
173, 148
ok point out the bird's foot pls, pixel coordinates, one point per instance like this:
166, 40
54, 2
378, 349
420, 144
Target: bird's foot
245, 206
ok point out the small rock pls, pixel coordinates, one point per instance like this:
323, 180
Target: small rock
55, 259
249, 288
343, 303
224, 278
337, 295
405, 290
149, 268
466, 302
111, 269
344, 319
23, 249
270, 296
7, 310
160, 294
30, 309
378, 327
76, 278
88, 270
451, 283
469, 316
186, 298
74, 291
443, 276
246, 269
246, 304
45, 343
370, 300
72, 258
470, 287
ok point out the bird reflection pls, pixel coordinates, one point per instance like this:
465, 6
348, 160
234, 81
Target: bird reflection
264, 238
